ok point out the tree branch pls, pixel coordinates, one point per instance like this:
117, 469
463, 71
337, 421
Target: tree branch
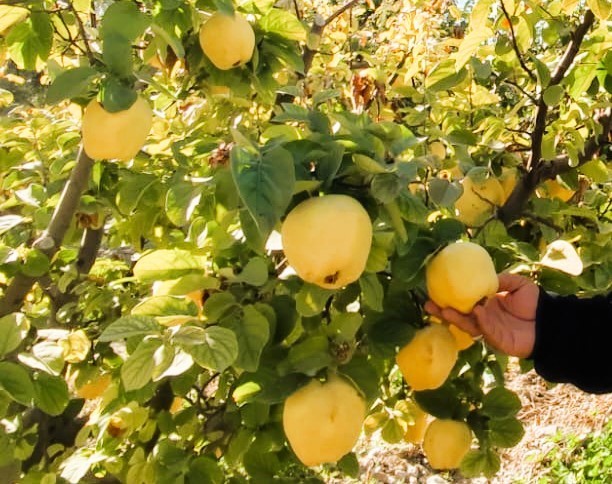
549, 170
308, 56
51, 239
542, 109
515, 46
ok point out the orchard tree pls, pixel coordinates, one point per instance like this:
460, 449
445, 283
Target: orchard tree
219, 223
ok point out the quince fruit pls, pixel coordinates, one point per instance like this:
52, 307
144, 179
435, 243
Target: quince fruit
322, 421
117, 135
95, 387
416, 431
554, 189
327, 240
227, 40
427, 360
460, 275
446, 443
462, 339
478, 200
508, 180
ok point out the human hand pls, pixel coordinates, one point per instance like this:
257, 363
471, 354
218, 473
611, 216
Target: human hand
506, 320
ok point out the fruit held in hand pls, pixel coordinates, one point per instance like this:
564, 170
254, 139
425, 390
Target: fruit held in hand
460, 275
463, 340
322, 421
327, 240
446, 443
227, 40
478, 200
117, 135
427, 360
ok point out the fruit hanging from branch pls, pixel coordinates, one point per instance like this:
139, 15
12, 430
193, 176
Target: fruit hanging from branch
227, 40
119, 135
327, 240
322, 421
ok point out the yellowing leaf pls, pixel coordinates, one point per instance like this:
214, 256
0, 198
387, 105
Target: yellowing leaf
562, 255
601, 8
470, 45
75, 346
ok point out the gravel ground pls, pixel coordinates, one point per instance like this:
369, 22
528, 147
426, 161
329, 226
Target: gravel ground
547, 410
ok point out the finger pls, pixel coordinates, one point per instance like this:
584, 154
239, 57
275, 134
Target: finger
432, 308
465, 322
512, 282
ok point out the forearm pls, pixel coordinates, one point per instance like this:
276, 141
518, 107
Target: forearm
572, 343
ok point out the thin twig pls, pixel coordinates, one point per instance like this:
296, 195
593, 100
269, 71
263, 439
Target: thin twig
90, 54
515, 46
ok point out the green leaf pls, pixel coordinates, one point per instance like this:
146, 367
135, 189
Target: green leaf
442, 402
117, 55
479, 462
204, 470
186, 284
349, 465
448, 230
386, 187
161, 265
506, 432
15, 381
553, 95
29, 43
600, 8
344, 326
255, 272
443, 192
50, 393
181, 201
444, 76
311, 299
35, 263
596, 170
130, 326
218, 304
124, 19
367, 164
363, 375
116, 96
13, 330
138, 369
309, 356
252, 332
218, 351
501, 403
283, 23
392, 432
70, 84
265, 184
165, 306
371, 291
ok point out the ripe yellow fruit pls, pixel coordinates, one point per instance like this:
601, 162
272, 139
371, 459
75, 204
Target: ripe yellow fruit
438, 149
94, 388
427, 360
227, 40
327, 240
446, 443
478, 200
463, 340
416, 431
508, 180
117, 135
553, 189
322, 421
460, 275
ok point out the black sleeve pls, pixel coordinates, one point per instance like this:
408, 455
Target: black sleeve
573, 342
